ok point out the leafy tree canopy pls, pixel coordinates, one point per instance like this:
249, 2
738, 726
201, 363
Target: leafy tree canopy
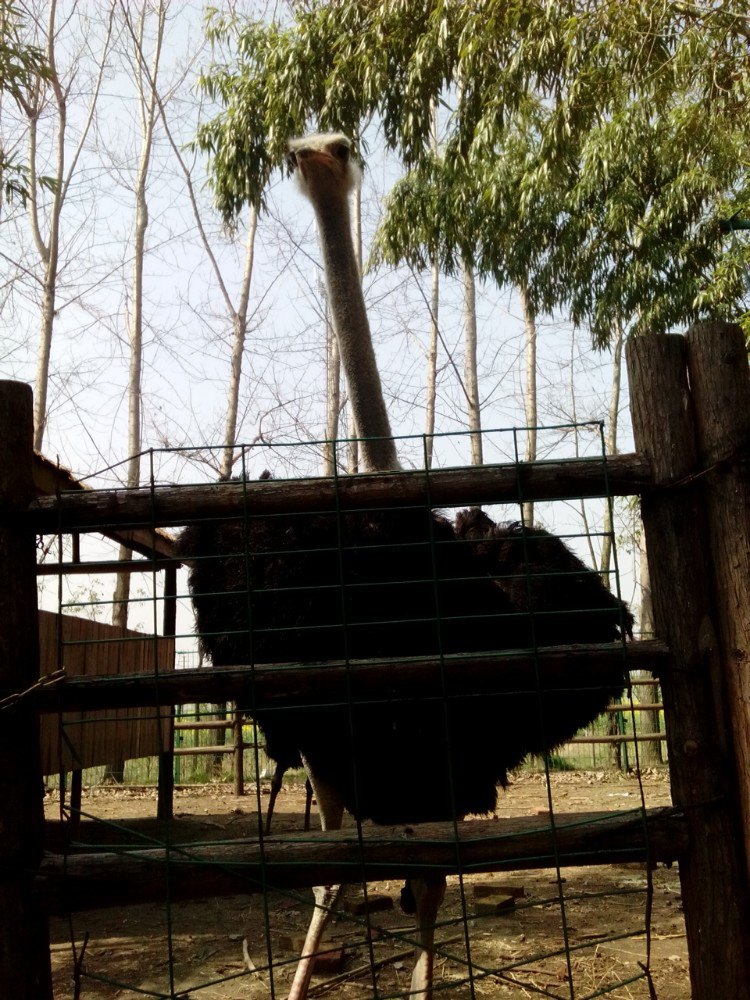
21, 66
595, 148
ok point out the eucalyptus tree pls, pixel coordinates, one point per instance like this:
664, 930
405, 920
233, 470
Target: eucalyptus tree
21, 66
639, 154
594, 157
468, 213
259, 134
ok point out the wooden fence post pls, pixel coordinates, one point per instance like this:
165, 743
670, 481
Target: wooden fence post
720, 386
238, 719
165, 801
24, 937
713, 875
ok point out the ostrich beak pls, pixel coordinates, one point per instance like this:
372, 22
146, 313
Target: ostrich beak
305, 160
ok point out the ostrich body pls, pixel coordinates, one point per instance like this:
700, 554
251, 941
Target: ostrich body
387, 584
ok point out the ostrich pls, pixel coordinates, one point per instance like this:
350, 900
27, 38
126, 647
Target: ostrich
383, 584
567, 601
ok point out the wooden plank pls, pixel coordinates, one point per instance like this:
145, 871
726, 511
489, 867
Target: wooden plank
219, 748
617, 475
105, 566
625, 738
94, 650
51, 480
86, 881
288, 685
210, 724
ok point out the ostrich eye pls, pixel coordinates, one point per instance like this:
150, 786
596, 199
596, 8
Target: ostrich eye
341, 151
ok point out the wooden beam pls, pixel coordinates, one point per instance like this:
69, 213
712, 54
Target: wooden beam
287, 685
87, 881
51, 480
625, 738
617, 475
223, 748
106, 566
210, 724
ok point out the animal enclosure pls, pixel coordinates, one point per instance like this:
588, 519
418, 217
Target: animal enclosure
686, 487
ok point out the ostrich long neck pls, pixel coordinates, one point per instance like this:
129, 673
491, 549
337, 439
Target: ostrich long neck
353, 333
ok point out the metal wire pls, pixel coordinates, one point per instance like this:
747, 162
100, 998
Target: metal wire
473, 970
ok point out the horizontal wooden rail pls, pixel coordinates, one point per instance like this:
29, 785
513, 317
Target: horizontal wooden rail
623, 738
211, 724
87, 881
617, 475
625, 708
108, 565
284, 685
51, 480
226, 748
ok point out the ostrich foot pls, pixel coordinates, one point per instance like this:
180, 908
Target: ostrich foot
428, 895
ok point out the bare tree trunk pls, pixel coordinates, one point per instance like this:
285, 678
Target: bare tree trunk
432, 352
470, 364
49, 251
352, 463
530, 395
239, 318
238, 315
610, 444
333, 394
432, 345
576, 442
147, 93
239, 324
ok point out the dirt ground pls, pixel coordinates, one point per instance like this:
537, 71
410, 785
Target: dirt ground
518, 952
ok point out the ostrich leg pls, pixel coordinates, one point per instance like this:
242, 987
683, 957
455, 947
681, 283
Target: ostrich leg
308, 803
276, 782
331, 809
428, 896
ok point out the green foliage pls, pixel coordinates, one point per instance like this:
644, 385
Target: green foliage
557, 763
592, 150
21, 66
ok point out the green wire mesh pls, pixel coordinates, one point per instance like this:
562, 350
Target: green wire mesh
536, 946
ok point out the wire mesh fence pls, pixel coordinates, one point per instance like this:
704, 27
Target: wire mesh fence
401, 652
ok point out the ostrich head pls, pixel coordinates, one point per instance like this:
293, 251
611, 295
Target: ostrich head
323, 165
326, 173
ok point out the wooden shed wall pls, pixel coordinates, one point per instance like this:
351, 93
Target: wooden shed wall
88, 739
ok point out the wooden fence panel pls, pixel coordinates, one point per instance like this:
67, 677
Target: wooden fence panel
88, 648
